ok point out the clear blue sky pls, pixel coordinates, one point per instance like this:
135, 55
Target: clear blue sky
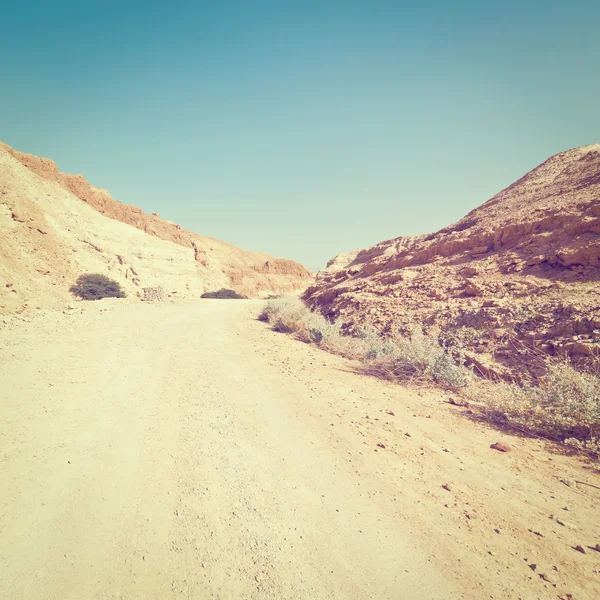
301, 128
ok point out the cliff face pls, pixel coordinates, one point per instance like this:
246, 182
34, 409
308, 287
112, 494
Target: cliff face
515, 278
55, 226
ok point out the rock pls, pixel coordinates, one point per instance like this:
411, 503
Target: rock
337, 263
381, 445
490, 304
565, 524
528, 284
154, 294
533, 566
539, 534
536, 260
468, 272
447, 487
498, 333
501, 447
580, 548
391, 413
454, 402
549, 218
581, 348
472, 289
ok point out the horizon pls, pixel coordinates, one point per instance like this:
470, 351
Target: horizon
302, 132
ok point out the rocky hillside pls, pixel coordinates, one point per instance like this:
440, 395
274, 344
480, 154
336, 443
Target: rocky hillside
55, 226
515, 280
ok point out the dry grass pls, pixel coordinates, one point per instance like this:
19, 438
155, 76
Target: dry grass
290, 315
418, 358
564, 405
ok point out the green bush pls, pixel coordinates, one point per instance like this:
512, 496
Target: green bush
224, 294
94, 286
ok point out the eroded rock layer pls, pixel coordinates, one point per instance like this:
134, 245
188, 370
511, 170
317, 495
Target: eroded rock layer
515, 280
55, 226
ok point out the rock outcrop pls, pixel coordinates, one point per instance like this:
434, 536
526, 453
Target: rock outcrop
515, 280
55, 226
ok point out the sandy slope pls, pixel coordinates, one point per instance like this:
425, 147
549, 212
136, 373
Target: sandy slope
186, 451
55, 226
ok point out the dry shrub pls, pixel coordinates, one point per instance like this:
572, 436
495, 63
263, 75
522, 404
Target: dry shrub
419, 358
224, 294
290, 315
564, 406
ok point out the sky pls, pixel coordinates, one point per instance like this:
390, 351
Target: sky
307, 128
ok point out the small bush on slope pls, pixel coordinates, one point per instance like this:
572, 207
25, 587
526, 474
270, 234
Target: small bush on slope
419, 357
288, 315
95, 286
564, 406
224, 294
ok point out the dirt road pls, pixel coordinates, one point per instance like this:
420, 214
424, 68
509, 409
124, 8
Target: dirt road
186, 451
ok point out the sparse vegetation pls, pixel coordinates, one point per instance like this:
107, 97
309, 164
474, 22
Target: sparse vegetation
224, 294
419, 357
563, 406
95, 286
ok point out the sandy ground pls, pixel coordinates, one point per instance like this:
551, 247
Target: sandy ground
186, 451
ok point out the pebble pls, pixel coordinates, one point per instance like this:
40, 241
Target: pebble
461, 403
565, 524
536, 533
500, 447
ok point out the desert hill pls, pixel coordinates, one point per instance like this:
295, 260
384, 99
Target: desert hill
514, 280
55, 226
